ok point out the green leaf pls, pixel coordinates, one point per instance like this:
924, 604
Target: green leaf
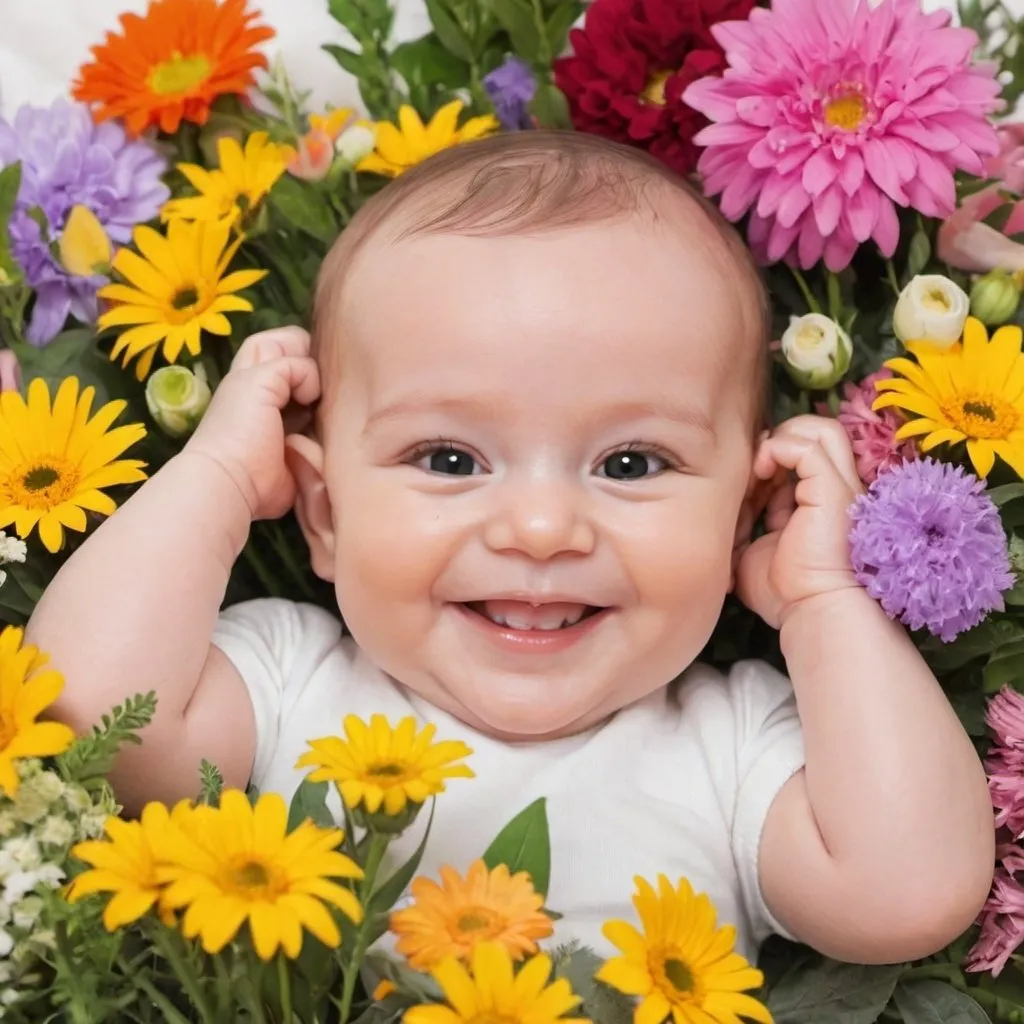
936, 1002
425, 61
517, 19
1005, 493
10, 184
351, 61
920, 253
600, 1002
1005, 667
310, 801
387, 895
304, 208
830, 992
550, 107
211, 783
449, 31
524, 844
562, 19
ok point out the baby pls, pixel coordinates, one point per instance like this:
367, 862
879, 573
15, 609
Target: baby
532, 477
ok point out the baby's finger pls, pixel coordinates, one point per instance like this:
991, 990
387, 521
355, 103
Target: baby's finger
833, 438
287, 379
781, 506
273, 344
819, 481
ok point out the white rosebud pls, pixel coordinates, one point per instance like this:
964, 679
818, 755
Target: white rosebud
177, 398
817, 351
933, 309
355, 143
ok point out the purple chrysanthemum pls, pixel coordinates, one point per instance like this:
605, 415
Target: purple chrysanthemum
511, 86
928, 544
67, 161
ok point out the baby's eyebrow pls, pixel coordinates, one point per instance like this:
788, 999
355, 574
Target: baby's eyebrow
676, 410
472, 406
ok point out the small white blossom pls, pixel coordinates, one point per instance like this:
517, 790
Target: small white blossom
27, 912
6, 943
25, 852
12, 549
56, 831
77, 799
8, 823
9, 996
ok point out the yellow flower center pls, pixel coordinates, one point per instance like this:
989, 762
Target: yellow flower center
185, 298
935, 300
479, 919
179, 74
674, 978
42, 483
654, 91
981, 414
187, 301
846, 111
387, 772
251, 879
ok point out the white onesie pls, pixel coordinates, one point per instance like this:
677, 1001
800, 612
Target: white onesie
679, 783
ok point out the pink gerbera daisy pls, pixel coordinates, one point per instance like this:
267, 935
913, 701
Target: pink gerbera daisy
832, 114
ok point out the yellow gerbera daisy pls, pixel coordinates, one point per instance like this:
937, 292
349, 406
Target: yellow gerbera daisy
973, 392
453, 918
237, 186
490, 991
682, 964
125, 864
236, 863
410, 142
55, 462
25, 692
376, 765
176, 289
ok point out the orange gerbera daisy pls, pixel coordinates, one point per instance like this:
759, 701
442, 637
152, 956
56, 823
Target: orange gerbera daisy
171, 64
452, 918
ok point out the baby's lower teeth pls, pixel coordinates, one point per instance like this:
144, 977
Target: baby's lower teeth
499, 621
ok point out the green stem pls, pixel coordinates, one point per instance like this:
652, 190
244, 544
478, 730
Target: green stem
159, 1000
284, 983
942, 972
378, 845
167, 943
812, 303
890, 275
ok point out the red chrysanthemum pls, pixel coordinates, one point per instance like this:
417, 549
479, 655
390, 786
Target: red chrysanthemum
632, 61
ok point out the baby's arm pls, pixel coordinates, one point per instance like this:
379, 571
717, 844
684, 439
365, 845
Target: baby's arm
135, 608
882, 848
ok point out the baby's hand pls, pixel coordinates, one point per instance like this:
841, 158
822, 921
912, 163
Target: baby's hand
244, 430
805, 551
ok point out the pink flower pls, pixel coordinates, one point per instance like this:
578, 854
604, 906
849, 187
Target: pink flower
1005, 764
1001, 920
10, 371
872, 434
967, 244
830, 115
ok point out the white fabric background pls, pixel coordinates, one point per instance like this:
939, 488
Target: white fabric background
42, 43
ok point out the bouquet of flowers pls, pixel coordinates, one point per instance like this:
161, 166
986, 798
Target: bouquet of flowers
184, 197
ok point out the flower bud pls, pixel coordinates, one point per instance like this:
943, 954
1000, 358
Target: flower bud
817, 351
931, 308
84, 246
355, 143
177, 398
995, 297
313, 158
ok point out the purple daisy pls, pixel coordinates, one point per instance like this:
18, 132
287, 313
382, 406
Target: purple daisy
67, 161
511, 86
928, 544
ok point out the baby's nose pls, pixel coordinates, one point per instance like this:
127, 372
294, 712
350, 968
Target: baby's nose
541, 519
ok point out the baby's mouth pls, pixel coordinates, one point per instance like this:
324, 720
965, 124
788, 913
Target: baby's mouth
526, 616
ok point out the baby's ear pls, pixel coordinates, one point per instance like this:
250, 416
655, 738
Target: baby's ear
305, 458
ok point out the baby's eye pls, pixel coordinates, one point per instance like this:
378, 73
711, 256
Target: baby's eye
632, 465
448, 460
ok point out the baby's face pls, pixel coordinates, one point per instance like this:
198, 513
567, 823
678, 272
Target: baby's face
536, 455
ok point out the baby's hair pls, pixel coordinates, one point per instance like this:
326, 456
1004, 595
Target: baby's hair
530, 182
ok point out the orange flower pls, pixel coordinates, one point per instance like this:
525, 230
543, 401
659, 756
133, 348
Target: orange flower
171, 64
453, 918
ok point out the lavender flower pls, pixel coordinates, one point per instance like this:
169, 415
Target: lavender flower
66, 160
511, 86
928, 544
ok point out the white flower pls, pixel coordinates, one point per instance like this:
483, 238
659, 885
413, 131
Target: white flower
9, 996
6, 943
817, 351
27, 912
931, 308
25, 852
20, 884
177, 398
56, 831
354, 143
93, 824
77, 799
12, 549
47, 785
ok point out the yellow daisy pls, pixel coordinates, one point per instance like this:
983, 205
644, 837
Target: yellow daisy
237, 863
453, 918
681, 964
55, 462
125, 864
973, 392
410, 142
176, 289
25, 692
489, 991
376, 765
237, 186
